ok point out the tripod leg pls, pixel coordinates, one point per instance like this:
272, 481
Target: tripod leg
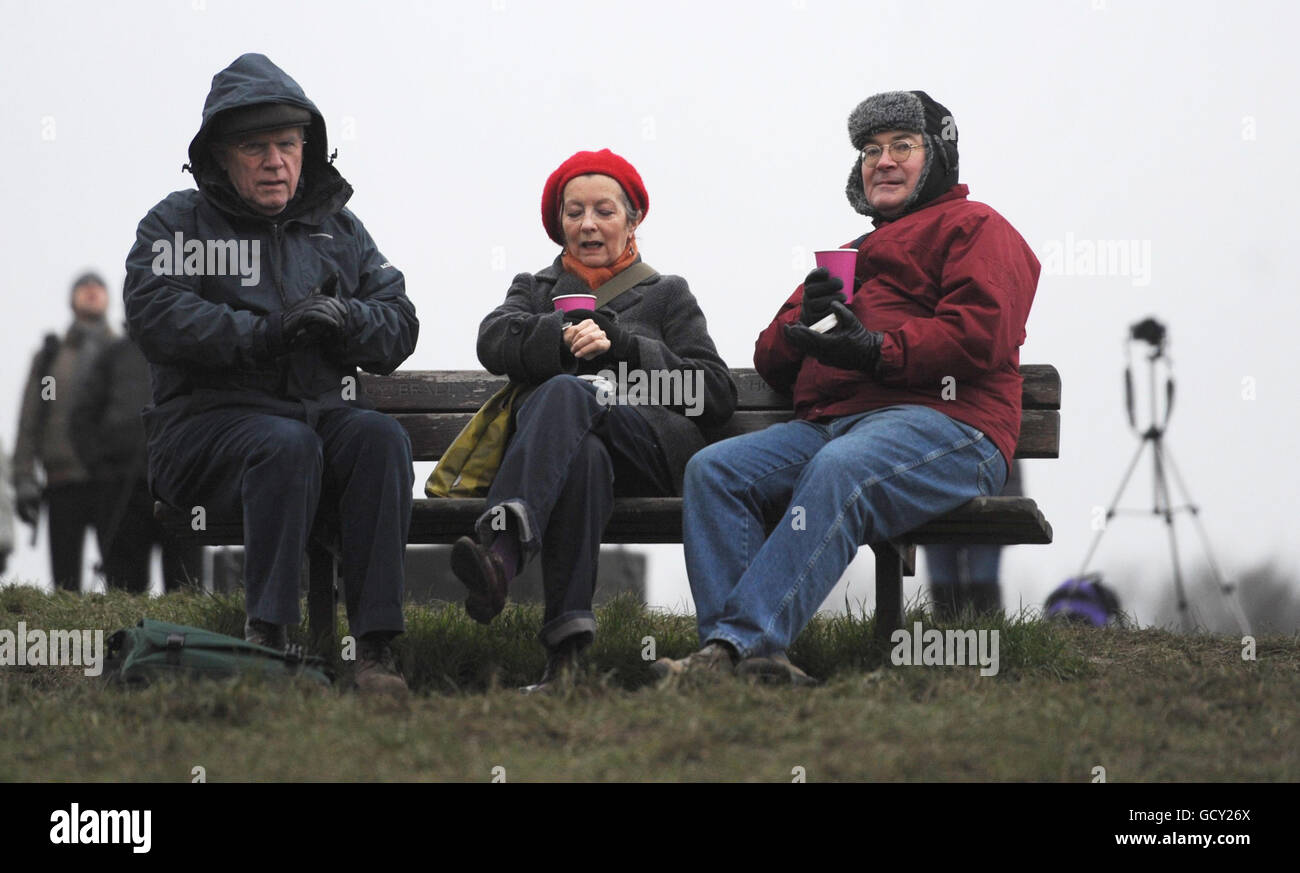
1227, 590
1163, 508
1110, 510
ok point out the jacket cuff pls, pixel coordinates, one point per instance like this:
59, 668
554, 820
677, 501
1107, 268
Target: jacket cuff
629, 350
889, 367
543, 352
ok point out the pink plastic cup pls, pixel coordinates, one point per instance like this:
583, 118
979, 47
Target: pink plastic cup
570, 302
841, 264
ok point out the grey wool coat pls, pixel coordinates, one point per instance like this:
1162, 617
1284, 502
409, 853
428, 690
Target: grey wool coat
522, 339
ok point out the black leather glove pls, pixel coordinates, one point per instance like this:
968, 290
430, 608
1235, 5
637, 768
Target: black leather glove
313, 319
849, 346
27, 503
331, 337
622, 344
327, 316
820, 290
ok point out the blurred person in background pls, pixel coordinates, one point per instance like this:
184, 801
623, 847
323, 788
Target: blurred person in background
965, 578
45, 466
108, 434
6, 512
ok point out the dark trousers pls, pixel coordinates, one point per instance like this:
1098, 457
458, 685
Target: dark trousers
963, 577
272, 462
72, 507
131, 532
556, 484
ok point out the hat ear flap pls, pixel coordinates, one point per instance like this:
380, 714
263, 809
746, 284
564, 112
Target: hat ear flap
947, 149
920, 194
853, 190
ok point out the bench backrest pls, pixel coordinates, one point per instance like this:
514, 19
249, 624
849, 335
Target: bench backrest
434, 405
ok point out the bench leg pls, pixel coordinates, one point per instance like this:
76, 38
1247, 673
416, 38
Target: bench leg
893, 560
322, 600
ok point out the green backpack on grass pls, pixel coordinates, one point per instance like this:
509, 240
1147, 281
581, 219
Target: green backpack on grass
155, 649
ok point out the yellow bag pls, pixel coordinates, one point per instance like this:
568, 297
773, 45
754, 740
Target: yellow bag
470, 463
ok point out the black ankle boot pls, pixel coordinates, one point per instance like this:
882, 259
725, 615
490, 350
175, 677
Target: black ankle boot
561, 666
945, 602
984, 597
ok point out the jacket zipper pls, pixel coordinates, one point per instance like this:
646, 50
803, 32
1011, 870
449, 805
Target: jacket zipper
276, 273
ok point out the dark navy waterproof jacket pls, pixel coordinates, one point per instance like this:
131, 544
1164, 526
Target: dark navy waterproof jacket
203, 334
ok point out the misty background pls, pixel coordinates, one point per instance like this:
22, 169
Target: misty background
1159, 128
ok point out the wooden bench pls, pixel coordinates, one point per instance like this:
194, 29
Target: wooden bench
433, 406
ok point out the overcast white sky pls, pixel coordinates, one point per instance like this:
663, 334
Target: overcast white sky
1171, 124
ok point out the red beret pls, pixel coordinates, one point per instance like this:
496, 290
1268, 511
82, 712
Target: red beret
604, 162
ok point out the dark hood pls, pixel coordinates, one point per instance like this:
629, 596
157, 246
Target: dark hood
249, 80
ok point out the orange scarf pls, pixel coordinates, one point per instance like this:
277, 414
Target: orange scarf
597, 276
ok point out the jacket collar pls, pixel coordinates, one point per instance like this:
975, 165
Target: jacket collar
312, 204
564, 282
956, 192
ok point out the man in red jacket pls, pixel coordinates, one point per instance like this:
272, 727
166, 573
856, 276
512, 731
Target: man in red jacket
907, 409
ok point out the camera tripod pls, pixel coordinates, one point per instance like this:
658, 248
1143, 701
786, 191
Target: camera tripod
1153, 333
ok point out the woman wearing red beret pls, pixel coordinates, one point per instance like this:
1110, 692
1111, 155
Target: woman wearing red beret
575, 437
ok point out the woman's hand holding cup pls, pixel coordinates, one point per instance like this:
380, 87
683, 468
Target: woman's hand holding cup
582, 335
586, 339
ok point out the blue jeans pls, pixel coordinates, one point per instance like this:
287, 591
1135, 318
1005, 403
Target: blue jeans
827, 487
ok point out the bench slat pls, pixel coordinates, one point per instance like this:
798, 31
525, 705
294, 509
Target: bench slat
467, 390
990, 520
431, 433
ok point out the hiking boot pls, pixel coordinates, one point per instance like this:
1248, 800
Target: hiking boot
484, 575
715, 659
377, 673
263, 633
561, 665
561, 673
774, 669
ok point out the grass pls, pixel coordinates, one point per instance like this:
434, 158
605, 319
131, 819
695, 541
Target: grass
1147, 705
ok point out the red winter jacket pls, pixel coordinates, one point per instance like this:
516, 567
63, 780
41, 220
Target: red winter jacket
950, 286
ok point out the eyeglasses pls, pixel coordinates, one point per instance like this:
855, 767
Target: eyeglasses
899, 152
259, 149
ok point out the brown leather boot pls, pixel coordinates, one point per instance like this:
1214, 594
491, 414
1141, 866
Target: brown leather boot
263, 633
377, 672
483, 574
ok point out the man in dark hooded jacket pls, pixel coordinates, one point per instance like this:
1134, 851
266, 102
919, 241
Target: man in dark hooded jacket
255, 299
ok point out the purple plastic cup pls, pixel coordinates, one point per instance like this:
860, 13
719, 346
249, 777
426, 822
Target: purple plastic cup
841, 264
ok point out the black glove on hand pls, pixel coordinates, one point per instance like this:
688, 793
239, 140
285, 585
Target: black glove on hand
27, 503
622, 345
327, 321
311, 319
819, 292
849, 346
314, 319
